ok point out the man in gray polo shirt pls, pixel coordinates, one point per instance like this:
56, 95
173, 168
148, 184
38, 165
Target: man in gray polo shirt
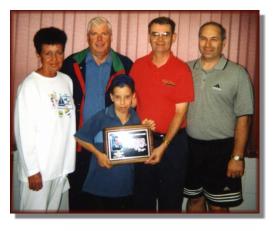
218, 124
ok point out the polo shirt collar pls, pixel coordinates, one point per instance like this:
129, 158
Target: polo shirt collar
219, 66
110, 111
152, 53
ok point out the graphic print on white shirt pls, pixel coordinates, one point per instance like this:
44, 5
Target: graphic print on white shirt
62, 104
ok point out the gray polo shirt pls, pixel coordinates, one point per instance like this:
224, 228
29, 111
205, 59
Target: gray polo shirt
221, 95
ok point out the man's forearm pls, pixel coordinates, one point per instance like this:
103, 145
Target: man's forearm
177, 121
241, 135
174, 126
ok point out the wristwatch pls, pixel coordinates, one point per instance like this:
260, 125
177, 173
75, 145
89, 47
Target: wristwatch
237, 157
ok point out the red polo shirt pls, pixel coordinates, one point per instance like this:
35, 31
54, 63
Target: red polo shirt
158, 90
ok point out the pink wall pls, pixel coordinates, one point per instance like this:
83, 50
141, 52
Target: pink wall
130, 38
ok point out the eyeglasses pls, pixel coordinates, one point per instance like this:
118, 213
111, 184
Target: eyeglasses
164, 35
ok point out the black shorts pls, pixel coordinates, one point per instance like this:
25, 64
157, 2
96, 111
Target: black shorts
207, 173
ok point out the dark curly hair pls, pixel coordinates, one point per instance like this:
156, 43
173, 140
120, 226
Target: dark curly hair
50, 36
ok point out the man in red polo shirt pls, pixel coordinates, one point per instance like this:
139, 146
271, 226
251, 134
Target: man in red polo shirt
163, 89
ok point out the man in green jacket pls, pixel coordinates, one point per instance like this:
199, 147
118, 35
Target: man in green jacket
91, 70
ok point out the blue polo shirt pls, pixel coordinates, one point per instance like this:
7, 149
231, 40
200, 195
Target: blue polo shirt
119, 180
97, 77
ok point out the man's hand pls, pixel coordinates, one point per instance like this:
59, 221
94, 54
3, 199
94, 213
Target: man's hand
103, 161
35, 182
235, 168
156, 155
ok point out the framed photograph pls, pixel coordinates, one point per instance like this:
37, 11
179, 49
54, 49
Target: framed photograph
128, 144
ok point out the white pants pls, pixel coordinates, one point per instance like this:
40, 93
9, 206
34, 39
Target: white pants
52, 197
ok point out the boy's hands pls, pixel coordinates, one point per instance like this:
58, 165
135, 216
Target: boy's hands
149, 123
103, 160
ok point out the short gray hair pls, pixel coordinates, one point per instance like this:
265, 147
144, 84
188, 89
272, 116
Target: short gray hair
98, 21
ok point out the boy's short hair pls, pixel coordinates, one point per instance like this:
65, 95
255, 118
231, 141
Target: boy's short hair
121, 81
49, 36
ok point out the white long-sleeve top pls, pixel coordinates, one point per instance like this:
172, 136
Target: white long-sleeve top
45, 126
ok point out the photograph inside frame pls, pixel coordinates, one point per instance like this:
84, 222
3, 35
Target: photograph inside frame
128, 144
127, 43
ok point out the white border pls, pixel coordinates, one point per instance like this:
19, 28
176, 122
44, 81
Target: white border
268, 12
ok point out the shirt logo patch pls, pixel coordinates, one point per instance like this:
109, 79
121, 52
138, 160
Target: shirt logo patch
217, 87
168, 83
